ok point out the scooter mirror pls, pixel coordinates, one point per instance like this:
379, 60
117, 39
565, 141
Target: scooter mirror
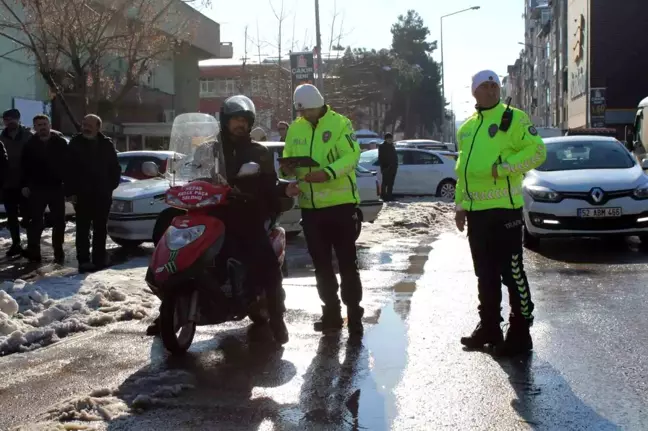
249, 169
150, 169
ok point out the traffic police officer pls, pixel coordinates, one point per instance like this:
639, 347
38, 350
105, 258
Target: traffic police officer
328, 199
497, 146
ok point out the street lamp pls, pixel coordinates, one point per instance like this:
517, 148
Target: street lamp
443, 68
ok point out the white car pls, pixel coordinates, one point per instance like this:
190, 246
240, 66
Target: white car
422, 144
139, 213
420, 172
131, 162
588, 186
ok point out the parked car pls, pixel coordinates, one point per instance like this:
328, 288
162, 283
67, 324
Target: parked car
139, 213
423, 144
420, 172
588, 186
131, 162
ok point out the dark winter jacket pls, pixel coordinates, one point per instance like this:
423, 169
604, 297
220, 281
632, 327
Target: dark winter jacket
44, 162
387, 156
14, 147
4, 164
268, 194
92, 167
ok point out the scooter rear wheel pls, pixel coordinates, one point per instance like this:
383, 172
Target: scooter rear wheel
177, 340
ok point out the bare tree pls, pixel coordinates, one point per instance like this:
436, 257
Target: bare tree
99, 51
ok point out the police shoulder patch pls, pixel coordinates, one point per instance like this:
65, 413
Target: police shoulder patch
354, 137
326, 136
533, 131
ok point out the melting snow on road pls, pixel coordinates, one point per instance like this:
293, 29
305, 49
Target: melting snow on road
39, 313
409, 217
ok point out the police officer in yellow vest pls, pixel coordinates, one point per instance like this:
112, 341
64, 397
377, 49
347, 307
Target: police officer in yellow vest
328, 200
497, 145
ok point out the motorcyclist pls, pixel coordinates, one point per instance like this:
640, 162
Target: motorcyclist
247, 221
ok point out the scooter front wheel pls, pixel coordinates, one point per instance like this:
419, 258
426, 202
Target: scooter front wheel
177, 327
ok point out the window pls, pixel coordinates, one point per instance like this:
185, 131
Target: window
255, 87
421, 158
221, 89
207, 87
131, 166
230, 87
584, 154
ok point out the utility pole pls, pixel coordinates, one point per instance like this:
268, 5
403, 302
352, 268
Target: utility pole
318, 36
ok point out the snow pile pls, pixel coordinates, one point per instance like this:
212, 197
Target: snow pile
37, 314
46, 239
410, 217
136, 394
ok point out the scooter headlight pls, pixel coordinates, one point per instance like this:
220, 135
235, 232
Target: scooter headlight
177, 238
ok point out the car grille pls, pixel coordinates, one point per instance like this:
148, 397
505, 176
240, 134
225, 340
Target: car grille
587, 196
577, 223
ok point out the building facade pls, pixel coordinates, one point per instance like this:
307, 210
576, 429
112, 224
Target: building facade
582, 64
267, 84
144, 118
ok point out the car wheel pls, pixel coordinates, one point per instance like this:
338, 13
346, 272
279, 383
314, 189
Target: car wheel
529, 241
643, 245
163, 222
358, 222
126, 243
446, 189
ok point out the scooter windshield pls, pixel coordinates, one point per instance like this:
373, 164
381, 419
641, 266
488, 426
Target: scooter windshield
194, 134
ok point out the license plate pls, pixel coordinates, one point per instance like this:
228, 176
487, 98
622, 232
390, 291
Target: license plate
599, 212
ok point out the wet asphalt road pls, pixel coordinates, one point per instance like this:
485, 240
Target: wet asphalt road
589, 370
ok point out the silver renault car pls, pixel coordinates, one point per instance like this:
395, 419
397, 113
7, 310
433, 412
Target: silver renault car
588, 186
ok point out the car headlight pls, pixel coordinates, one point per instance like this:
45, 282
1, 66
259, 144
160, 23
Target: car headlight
543, 194
641, 192
120, 206
177, 238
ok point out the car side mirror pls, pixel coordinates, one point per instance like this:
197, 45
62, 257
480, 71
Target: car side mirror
150, 169
249, 169
644, 164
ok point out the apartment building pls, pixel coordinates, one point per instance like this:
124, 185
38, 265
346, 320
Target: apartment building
582, 64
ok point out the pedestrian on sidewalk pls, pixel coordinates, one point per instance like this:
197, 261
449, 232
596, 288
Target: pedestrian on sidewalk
328, 200
14, 137
282, 127
43, 166
388, 161
497, 146
93, 174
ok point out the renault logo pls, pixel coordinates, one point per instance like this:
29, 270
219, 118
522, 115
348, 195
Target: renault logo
597, 195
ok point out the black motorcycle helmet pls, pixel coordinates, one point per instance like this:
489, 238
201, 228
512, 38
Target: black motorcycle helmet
237, 106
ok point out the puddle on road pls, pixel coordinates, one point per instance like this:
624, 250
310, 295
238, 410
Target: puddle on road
386, 345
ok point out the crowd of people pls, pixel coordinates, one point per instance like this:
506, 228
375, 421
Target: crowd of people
39, 169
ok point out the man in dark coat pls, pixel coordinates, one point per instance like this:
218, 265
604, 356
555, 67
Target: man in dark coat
13, 137
93, 174
388, 161
43, 171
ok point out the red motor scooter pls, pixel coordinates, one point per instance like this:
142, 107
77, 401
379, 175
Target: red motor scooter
197, 283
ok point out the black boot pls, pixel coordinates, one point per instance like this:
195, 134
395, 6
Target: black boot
59, 256
331, 321
15, 250
154, 328
354, 324
483, 335
518, 338
33, 255
279, 329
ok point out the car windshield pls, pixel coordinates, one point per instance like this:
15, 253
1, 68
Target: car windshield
368, 156
575, 155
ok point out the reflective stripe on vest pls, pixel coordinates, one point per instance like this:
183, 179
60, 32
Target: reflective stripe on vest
495, 194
